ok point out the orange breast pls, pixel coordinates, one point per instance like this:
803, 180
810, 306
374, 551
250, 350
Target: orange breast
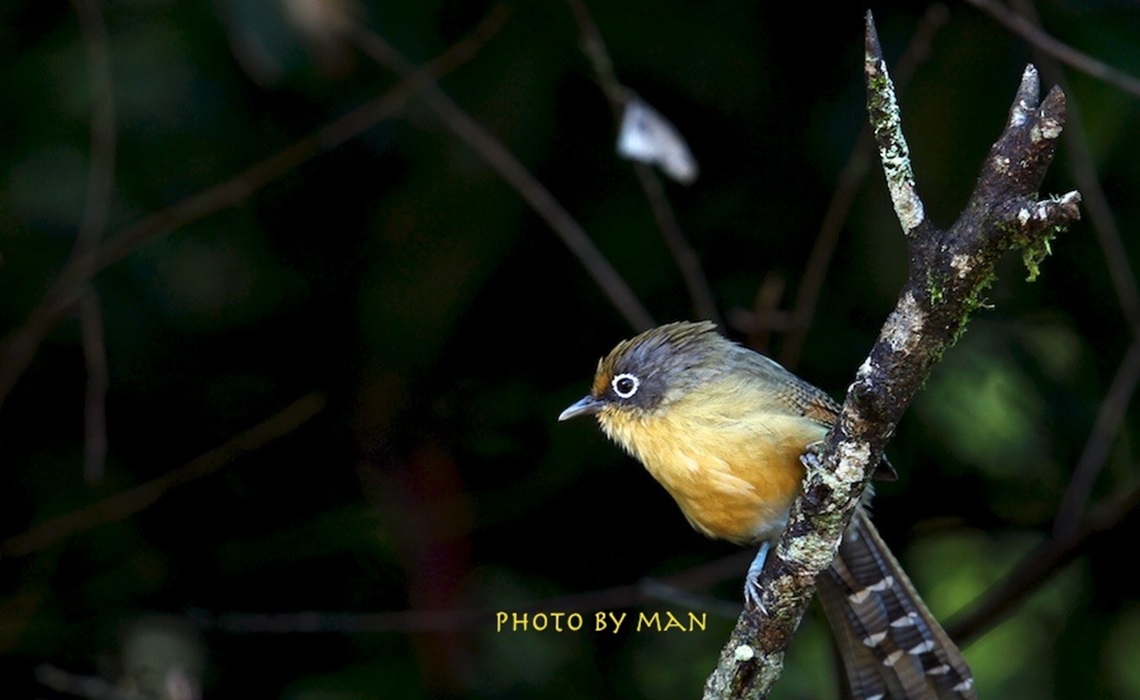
733, 477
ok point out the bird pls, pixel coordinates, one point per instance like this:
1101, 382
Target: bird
723, 428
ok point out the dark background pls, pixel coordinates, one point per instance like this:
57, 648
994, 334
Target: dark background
398, 279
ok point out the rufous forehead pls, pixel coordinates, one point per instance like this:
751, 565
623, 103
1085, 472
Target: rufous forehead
601, 381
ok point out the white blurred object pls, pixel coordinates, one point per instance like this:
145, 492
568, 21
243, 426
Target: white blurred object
648, 137
323, 26
161, 658
274, 41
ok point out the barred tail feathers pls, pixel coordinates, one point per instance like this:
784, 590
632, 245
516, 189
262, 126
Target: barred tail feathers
892, 647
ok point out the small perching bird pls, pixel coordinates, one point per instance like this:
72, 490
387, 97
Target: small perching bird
723, 429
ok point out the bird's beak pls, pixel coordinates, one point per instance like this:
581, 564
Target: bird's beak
586, 407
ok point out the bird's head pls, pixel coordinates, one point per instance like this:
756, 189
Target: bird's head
651, 370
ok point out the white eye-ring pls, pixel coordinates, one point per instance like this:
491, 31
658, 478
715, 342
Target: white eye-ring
625, 385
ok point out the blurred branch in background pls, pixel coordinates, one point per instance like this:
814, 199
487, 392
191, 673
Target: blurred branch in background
127, 503
1022, 21
280, 555
510, 169
159, 657
1082, 167
18, 347
1035, 569
672, 588
1073, 524
618, 95
851, 178
1094, 456
93, 687
100, 183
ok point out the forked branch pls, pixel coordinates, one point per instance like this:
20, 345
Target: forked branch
949, 272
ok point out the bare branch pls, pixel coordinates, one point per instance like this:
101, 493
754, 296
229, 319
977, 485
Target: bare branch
510, 169
1094, 455
850, 178
18, 348
101, 180
1036, 567
1059, 50
700, 291
98, 383
125, 504
100, 183
1082, 169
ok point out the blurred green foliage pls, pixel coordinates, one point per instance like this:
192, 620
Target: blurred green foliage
399, 277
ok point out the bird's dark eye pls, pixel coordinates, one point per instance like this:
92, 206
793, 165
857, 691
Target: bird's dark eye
625, 385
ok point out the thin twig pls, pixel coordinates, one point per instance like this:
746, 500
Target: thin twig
98, 383
1059, 50
1035, 568
851, 178
1095, 453
100, 183
510, 169
689, 263
125, 504
101, 175
766, 316
18, 348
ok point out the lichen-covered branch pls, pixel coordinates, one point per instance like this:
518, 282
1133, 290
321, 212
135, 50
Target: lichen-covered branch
949, 272
883, 108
